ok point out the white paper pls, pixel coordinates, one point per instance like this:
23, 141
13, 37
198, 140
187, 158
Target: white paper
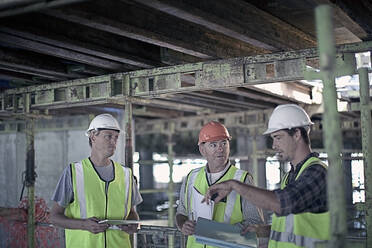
200, 209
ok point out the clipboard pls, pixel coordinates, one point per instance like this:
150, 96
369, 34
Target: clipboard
209, 232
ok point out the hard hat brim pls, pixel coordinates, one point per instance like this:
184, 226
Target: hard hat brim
270, 131
99, 129
216, 139
273, 130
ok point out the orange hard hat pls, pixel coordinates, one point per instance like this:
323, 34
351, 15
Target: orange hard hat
213, 131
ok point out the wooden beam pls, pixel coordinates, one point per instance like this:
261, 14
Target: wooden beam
32, 62
55, 30
15, 76
167, 104
60, 52
345, 18
157, 28
205, 103
156, 112
255, 95
74, 45
116, 27
227, 99
85, 69
172, 57
239, 20
28, 72
5, 4
82, 33
360, 14
29, 6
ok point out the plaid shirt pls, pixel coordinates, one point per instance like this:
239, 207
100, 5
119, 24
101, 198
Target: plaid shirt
306, 194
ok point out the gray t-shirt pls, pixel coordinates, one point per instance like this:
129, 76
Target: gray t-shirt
251, 213
64, 193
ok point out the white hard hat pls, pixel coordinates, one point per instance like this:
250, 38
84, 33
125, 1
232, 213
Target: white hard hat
287, 116
103, 121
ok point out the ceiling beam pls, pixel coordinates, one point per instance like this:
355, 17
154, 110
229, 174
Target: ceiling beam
5, 4
31, 62
24, 80
145, 111
61, 52
206, 103
115, 27
254, 95
157, 28
30, 72
172, 57
225, 98
82, 33
25, 6
239, 20
74, 45
345, 18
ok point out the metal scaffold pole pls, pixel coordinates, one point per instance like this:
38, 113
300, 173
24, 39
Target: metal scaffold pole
365, 112
171, 184
30, 174
332, 131
128, 123
255, 160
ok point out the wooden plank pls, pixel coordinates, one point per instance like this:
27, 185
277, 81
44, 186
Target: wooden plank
60, 52
345, 18
30, 73
228, 99
14, 77
35, 6
32, 62
237, 19
119, 28
157, 28
82, 33
137, 50
87, 48
172, 57
255, 95
205, 103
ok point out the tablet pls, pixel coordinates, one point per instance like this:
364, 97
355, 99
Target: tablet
119, 222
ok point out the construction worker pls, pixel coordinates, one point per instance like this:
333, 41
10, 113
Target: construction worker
94, 189
301, 216
214, 146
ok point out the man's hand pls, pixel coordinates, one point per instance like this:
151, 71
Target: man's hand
220, 189
188, 227
92, 225
249, 228
130, 229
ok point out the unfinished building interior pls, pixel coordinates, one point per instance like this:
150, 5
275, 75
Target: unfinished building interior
164, 69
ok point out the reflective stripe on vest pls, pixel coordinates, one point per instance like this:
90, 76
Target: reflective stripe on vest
300, 241
80, 189
232, 212
294, 228
231, 198
188, 193
127, 178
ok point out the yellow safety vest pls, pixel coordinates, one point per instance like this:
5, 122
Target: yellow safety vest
90, 199
300, 230
229, 211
